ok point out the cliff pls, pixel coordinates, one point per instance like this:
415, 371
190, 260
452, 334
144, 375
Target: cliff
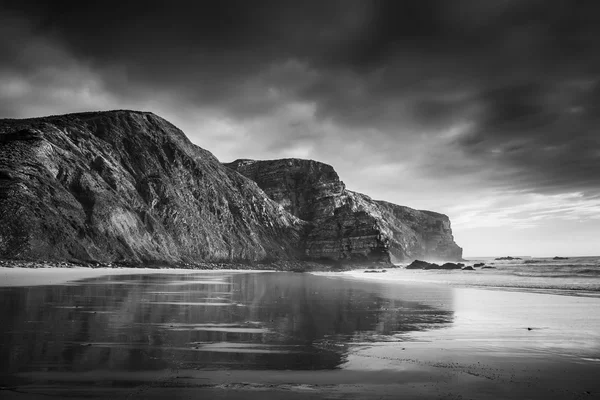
345, 225
129, 186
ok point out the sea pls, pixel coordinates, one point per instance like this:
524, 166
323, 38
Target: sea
569, 276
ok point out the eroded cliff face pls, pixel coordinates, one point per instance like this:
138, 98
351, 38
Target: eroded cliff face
129, 186
345, 225
418, 234
308, 189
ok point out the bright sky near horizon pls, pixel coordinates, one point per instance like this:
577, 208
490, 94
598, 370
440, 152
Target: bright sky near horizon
485, 111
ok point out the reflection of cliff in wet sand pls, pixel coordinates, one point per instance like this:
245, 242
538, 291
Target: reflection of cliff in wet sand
274, 321
277, 335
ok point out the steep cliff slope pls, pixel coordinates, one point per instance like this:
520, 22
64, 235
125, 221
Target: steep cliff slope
345, 225
308, 189
419, 234
129, 186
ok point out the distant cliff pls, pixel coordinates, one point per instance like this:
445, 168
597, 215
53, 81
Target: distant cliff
129, 186
345, 225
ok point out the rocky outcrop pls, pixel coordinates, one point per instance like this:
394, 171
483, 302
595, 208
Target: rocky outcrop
129, 186
419, 234
418, 264
345, 225
308, 189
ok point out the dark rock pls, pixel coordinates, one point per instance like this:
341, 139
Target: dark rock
509, 258
560, 258
129, 188
446, 266
418, 264
479, 265
488, 267
468, 268
345, 225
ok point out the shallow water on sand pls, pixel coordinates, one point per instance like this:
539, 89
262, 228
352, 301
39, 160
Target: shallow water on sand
230, 334
207, 321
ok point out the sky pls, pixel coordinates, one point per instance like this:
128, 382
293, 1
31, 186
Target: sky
487, 111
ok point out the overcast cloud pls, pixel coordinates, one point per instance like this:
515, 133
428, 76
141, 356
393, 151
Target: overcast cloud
486, 111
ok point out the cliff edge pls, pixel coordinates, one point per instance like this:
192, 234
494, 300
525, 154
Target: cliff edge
129, 186
345, 225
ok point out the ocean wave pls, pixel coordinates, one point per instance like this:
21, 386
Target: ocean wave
546, 270
557, 275
595, 271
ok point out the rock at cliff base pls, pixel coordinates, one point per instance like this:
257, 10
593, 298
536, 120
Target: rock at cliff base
418, 264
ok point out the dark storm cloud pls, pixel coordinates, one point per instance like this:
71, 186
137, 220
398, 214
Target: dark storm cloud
547, 133
522, 75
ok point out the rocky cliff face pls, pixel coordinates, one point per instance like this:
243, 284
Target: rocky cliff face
129, 186
308, 189
344, 225
419, 234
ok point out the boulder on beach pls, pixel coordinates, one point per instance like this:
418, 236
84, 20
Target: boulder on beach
468, 268
450, 265
418, 264
478, 265
488, 267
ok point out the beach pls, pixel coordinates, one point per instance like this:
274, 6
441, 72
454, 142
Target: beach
55, 276
352, 335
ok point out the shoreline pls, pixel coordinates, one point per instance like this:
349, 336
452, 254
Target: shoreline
280, 265
41, 276
29, 273
478, 279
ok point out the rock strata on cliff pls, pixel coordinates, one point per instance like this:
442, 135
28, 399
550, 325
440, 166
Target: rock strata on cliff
129, 186
345, 225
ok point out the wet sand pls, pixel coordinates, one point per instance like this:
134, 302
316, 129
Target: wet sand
422, 371
500, 344
10, 277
